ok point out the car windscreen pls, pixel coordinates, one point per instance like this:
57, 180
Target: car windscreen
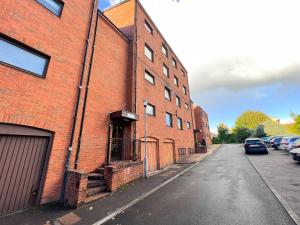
253, 142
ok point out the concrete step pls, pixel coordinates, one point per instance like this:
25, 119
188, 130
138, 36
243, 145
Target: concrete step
95, 190
95, 176
100, 170
96, 197
95, 183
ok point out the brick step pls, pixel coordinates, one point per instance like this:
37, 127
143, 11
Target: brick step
100, 170
95, 183
95, 176
95, 190
96, 197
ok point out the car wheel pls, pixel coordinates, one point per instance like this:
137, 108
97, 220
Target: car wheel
247, 152
266, 152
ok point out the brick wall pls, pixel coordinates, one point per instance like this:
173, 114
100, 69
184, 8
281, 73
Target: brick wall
118, 175
45, 103
202, 124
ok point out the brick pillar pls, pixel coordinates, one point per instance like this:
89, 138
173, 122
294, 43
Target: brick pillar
76, 188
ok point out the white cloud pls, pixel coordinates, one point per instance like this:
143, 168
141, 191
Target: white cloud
232, 44
113, 2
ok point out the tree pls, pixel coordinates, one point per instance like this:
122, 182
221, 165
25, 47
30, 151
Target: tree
272, 128
251, 119
223, 132
241, 134
259, 132
296, 126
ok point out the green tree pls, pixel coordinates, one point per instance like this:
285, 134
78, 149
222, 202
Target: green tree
242, 133
259, 132
296, 127
272, 128
223, 132
251, 119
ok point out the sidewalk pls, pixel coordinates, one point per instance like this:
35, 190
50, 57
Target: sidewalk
127, 195
199, 156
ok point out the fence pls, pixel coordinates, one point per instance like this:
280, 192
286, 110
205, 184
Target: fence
124, 150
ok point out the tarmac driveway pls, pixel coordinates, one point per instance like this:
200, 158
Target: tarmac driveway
283, 174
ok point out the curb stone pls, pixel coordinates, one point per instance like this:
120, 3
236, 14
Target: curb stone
291, 213
135, 201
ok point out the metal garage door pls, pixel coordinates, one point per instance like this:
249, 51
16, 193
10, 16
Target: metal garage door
167, 154
152, 154
22, 160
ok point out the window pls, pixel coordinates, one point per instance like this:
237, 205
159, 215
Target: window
150, 109
165, 70
177, 101
176, 81
25, 58
182, 72
164, 50
179, 123
184, 90
174, 63
148, 27
148, 52
169, 121
149, 77
188, 125
53, 6
186, 106
167, 93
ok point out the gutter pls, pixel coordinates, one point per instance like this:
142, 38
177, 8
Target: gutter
86, 95
77, 104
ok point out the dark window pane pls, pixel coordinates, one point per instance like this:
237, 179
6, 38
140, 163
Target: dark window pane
53, 5
24, 59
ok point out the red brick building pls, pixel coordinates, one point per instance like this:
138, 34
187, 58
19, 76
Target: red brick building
72, 99
201, 125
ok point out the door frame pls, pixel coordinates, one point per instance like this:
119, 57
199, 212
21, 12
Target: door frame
168, 140
21, 130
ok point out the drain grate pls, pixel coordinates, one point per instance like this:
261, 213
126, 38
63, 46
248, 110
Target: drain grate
296, 185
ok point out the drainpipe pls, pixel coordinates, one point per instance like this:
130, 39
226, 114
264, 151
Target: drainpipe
77, 105
86, 95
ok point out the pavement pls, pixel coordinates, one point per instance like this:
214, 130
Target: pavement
104, 208
223, 189
281, 173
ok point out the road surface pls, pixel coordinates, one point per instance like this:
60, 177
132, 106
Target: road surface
224, 189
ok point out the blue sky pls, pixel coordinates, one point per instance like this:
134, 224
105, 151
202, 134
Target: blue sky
240, 54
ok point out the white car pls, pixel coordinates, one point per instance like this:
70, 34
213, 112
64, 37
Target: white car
287, 143
295, 153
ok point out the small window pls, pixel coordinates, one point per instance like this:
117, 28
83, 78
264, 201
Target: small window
174, 63
176, 81
167, 93
184, 90
188, 125
186, 106
182, 72
169, 121
148, 27
53, 6
148, 52
165, 70
164, 50
179, 123
178, 101
25, 58
150, 109
149, 77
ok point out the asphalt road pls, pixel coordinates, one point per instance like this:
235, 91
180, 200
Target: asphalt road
223, 189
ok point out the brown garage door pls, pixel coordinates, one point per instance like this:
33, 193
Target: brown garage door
167, 154
22, 159
152, 154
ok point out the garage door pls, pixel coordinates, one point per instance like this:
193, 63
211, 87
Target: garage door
22, 160
167, 154
152, 154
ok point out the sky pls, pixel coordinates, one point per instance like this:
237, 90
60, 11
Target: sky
240, 54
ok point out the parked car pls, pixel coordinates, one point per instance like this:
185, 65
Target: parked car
288, 145
266, 140
296, 143
283, 143
295, 153
255, 145
275, 142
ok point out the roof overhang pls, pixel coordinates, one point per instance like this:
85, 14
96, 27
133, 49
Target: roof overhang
123, 115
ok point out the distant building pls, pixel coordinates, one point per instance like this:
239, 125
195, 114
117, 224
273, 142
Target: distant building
202, 130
